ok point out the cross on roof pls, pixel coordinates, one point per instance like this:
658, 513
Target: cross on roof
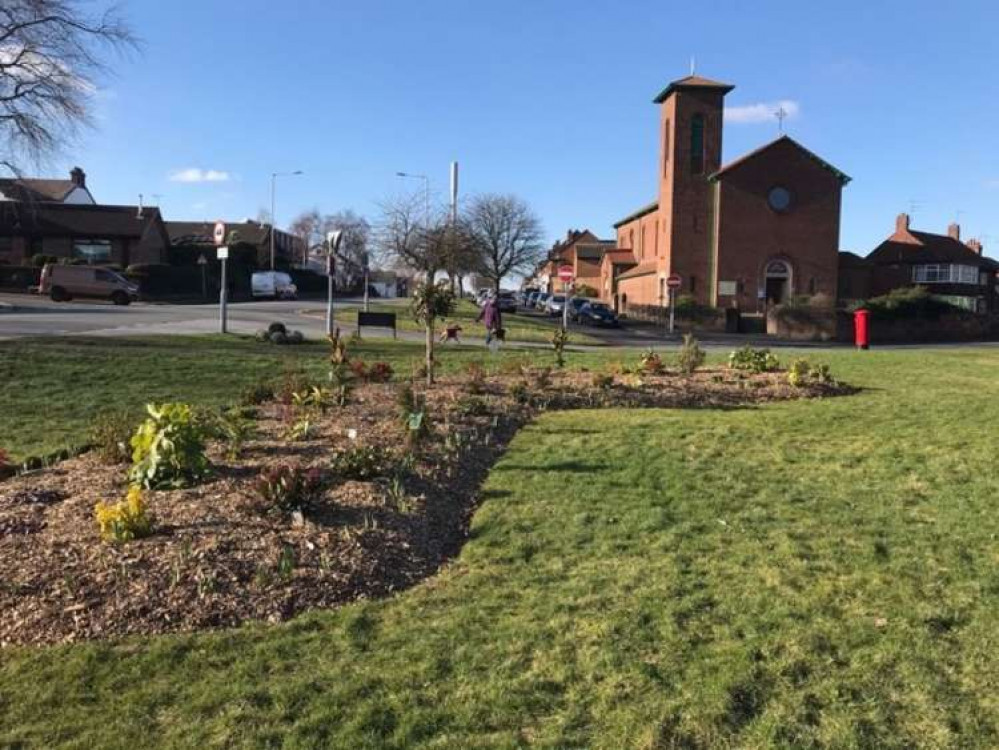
780, 114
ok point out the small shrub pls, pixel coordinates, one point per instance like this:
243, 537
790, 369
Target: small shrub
559, 339
288, 488
362, 463
413, 414
314, 400
125, 520
110, 436
168, 449
301, 429
691, 356
233, 427
359, 369
602, 381
651, 363
753, 360
256, 394
803, 373
380, 372
476, 373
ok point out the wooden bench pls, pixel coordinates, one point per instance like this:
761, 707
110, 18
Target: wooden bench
376, 320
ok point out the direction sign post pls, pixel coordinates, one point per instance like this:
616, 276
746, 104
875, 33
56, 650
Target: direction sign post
223, 255
333, 240
673, 282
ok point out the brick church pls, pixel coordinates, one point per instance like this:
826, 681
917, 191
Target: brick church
756, 231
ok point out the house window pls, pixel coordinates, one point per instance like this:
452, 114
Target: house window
697, 144
945, 273
92, 251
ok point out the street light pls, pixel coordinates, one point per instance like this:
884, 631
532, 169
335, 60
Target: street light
274, 176
426, 199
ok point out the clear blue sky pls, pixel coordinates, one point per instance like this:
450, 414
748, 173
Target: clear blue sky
547, 99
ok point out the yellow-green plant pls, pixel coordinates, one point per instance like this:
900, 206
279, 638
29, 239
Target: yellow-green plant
168, 449
124, 520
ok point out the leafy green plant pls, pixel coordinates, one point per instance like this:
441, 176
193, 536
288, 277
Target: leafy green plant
288, 487
691, 356
168, 449
603, 381
412, 414
651, 363
124, 520
110, 436
301, 429
362, 462
803, 373
432, 302
748, 359
314, 400
559, 339
234, 427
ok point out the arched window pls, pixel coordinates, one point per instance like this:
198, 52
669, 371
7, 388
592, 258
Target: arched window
697, 144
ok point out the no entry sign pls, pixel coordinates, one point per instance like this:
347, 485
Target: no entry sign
565, 273
673, 281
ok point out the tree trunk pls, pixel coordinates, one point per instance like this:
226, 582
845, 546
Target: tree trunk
430, 353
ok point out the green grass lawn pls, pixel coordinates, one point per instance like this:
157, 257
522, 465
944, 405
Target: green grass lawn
518, 326
803, 575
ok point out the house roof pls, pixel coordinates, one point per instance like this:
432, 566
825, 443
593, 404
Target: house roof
692, 82
621, 258
782, 140
593, 250
31, 189
642, 269
79, 220
202, 232
851, 260
929, 248
638, 214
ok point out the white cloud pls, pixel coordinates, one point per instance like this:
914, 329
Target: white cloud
762, 112
193, 174
992, 184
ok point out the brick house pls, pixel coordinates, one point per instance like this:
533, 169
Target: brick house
612, 266
952, 270
39, 190
288, 248
582, 250
758, 231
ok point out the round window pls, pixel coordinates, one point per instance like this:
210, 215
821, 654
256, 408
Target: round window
779, 199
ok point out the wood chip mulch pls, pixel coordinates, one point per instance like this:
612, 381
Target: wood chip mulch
216, 560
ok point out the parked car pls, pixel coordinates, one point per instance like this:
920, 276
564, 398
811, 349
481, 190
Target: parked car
554, 304
523, 295
541, 303
273, 284
575, 305
507, 302
597, 314
62, 283
531, 299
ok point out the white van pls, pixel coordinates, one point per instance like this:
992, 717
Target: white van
273, 284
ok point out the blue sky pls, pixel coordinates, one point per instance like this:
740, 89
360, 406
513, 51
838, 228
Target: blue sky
547, 99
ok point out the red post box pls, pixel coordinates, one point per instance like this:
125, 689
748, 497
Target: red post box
861, 335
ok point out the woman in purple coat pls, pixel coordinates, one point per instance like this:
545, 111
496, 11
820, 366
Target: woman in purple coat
491, 316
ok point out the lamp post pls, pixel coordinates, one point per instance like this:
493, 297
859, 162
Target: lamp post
426, 200
274, 176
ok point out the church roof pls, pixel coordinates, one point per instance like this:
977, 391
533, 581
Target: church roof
692, 82
784, 139
637, 214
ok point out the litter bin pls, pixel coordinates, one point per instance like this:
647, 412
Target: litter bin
732, 317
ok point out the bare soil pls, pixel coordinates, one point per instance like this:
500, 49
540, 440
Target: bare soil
217, 558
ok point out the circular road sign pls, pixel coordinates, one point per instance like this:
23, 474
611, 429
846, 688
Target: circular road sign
565, 273
219, 234
673, 281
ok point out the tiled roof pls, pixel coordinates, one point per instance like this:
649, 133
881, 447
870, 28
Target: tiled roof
638, 214
931, 248
621, 258
693, 82
782, 140
593, 250
642, 269
62, 219
30, 189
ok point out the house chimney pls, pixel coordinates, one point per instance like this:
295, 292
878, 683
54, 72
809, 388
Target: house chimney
954, 231
902, 224
78, 177
975, 245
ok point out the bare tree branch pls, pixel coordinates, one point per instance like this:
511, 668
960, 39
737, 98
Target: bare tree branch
51, 55
508, 236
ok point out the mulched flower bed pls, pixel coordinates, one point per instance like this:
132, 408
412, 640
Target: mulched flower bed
216, 560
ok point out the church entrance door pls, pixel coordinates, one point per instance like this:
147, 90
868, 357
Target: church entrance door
778, 282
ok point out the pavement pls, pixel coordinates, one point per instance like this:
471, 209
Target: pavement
24, 316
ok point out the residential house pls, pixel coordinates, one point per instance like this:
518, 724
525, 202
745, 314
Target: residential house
289, 249
38, 190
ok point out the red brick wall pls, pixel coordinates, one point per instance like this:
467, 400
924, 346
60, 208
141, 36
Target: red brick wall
750, 233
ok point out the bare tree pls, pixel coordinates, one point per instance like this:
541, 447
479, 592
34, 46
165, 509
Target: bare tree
352, 258
50, 58
407, 237
507, 234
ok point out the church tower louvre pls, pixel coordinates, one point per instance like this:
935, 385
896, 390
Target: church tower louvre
690, 152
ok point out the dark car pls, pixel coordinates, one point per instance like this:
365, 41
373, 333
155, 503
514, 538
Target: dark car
575, 305
506, 302
597, 314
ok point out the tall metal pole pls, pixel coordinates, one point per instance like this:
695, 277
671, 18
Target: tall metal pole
565, 305
224, 296
273, 221
672, 308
